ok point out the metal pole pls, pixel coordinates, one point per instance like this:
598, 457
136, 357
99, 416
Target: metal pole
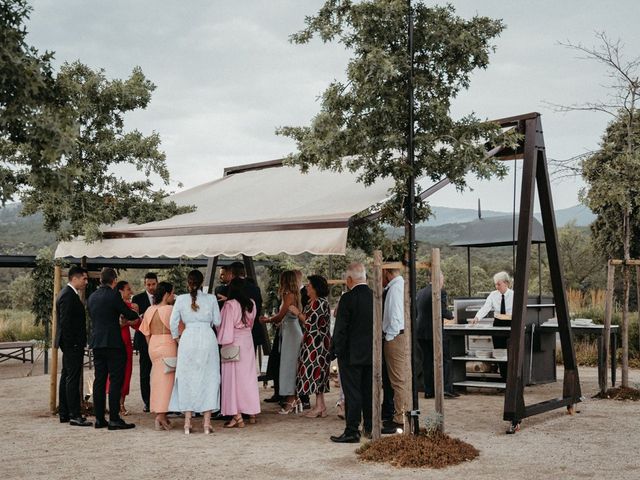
410, 230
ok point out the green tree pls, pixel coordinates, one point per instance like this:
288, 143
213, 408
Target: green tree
63, 134
21, 292
363, 122
583, 268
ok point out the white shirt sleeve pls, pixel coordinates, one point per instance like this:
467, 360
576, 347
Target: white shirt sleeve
393, 318
487, 307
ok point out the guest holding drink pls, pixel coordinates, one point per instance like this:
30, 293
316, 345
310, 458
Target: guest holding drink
163, 350
313, 369
197, 381
239, 380
290, 340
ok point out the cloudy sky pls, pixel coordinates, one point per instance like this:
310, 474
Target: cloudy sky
227, 76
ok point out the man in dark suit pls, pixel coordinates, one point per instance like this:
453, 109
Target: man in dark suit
71, 338
144, 300
425, 339
109, 356
351, 343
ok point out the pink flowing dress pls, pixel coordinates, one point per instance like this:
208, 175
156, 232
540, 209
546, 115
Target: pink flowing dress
160, 346
239, 379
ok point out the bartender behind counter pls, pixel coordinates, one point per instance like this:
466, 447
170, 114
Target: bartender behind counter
501, 302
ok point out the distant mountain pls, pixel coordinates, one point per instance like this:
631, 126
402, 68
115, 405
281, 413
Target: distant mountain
445, 215
22, 235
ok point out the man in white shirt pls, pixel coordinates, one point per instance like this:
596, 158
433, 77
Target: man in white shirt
395, 347
501, 302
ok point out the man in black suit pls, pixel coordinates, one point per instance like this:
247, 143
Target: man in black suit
425, 339
109, 355
351, 343
144, 300
71, 338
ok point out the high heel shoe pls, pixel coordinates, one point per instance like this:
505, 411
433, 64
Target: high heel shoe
252, 419
291, 407
316, 413
208, 429
162, 425
234, 423
187, 428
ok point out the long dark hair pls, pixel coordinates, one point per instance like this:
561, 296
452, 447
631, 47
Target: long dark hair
237, 292
195, 280
161, 290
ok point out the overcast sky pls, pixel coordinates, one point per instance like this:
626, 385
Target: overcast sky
227, 76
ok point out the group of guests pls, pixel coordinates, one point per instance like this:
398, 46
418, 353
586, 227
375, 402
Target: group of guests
186, 338
200, 348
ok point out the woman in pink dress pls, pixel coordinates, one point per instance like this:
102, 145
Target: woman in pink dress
239, 379
155, 327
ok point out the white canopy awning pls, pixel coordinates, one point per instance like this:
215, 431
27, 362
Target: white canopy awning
269, 210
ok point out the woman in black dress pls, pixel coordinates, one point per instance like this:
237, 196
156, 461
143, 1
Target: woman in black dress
313, 368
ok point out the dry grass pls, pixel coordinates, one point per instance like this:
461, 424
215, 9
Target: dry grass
422, 451
17, 325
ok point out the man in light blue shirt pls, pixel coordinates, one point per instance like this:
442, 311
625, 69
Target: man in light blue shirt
395, 347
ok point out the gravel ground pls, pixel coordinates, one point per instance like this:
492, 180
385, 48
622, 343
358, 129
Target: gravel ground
600, 441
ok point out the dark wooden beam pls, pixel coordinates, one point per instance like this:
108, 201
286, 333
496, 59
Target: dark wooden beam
252, 166
514, 409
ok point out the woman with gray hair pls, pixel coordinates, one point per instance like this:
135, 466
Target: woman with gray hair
501, 302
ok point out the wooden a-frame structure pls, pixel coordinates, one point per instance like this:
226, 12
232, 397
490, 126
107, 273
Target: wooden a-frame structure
535, 173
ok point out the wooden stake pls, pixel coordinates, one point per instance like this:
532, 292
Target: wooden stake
608, 310
54, 351
377, 345
436, 309
407, 401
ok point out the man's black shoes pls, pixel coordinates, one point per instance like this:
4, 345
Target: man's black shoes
64, 419
101, 423
389, 428
80, 422
146, 409
273, 399
120, 425
346, 438
451, 395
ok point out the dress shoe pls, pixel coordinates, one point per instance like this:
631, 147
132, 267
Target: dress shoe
146, 409
367, 434
346, 438
273, 399
219, 416
80, 422
120, 425
451, 395
64, 419
306, 405
428, 395
101, 423
390, 428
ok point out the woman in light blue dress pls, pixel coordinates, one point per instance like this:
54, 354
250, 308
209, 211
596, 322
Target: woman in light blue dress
197, 383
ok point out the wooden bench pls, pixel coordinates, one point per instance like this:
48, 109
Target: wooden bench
17, 351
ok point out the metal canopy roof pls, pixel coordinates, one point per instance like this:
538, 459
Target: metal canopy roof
496, 232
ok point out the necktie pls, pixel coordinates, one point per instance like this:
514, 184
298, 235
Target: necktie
503, 306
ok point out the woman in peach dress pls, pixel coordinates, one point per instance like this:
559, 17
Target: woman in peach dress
155, 327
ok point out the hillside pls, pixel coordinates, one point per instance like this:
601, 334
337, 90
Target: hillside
22, 235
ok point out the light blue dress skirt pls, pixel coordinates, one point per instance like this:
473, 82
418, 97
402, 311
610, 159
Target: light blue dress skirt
197, 383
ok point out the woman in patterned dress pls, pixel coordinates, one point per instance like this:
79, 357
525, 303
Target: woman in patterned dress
313, 367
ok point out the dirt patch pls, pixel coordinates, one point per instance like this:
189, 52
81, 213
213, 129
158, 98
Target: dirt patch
437, 450
620, 393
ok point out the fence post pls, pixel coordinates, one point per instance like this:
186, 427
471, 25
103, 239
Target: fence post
436, 310
377, 344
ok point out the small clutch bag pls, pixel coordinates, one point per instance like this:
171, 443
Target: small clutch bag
230, 353
170, 364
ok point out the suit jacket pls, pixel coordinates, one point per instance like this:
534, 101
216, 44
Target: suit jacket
71, 328
105, 307
353, 331
425, 314
142, 300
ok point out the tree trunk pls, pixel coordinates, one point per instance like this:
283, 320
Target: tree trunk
626, 272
